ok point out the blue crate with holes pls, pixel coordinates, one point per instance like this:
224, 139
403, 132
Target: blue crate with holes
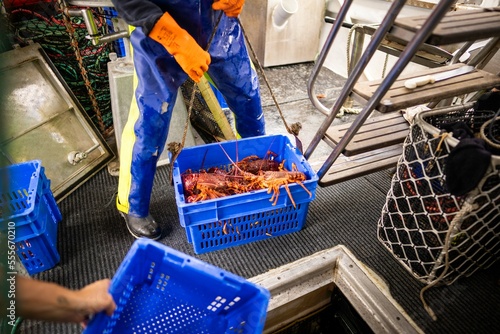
29, 215
228, 221
158, 289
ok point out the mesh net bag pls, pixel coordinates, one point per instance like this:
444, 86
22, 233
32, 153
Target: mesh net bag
435, 235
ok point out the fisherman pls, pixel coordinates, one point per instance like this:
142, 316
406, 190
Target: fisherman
169, 44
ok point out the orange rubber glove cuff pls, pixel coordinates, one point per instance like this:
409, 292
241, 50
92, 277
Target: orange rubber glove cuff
232, 8
188, 54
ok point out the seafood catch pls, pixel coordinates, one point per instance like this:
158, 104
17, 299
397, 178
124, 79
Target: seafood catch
249, 174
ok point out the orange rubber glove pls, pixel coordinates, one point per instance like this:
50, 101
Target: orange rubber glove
232, 8
188, 54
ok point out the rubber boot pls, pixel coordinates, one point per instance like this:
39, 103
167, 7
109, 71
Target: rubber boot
142, 227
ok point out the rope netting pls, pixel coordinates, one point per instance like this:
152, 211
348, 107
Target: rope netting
435, 235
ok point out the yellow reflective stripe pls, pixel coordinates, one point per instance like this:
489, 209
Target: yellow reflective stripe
127, 145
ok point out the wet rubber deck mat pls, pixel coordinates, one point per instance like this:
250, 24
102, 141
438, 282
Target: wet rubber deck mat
93, 240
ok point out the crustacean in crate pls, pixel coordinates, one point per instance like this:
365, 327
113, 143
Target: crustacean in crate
251, 173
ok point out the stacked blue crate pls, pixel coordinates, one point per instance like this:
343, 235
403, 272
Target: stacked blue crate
29, 215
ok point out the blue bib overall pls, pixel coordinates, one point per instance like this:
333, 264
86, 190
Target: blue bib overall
158, 78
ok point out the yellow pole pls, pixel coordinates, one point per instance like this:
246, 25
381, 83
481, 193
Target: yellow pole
215, 108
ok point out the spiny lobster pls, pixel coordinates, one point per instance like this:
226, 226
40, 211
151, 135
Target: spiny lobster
251, 173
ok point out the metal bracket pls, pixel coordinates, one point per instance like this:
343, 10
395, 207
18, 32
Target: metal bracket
75, 157
94, 35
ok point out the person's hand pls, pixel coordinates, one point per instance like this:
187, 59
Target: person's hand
188, 54
232, 8
48, 301
93, 299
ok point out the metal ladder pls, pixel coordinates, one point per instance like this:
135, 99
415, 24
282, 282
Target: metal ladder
384, 149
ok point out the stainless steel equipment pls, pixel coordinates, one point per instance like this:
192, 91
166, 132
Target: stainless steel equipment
45, 121
292, 37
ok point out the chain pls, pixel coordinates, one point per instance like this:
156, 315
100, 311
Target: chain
74, 43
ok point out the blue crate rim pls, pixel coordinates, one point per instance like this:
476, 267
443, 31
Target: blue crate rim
312, 178
31, 187
230, 143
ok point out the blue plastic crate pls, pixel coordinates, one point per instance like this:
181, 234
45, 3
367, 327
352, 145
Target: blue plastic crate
243, 218
160, 290
38, 253
29, 213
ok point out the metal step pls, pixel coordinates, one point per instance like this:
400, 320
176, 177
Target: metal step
301, 288
377, 132
399, 97
362, 164
455, 27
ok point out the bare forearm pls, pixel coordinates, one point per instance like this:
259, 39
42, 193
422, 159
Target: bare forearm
47, 301
51, 302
